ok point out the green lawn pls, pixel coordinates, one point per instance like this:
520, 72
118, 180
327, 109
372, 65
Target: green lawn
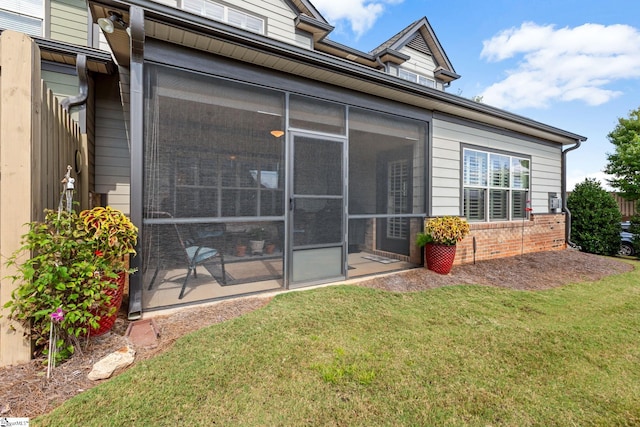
345, 355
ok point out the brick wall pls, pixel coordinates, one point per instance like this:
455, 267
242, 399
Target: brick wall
542, 232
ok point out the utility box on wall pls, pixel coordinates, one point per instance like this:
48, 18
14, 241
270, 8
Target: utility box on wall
554, 202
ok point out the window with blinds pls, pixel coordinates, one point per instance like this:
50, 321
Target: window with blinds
224, 13
25, 16
416, 78
496, 186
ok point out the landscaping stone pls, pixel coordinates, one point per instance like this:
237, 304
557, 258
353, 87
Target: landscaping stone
143, 333
107, 365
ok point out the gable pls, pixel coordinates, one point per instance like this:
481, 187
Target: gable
420, 38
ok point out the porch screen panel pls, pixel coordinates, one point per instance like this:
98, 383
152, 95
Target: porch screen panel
317, 115
318, 192
386, 164
213, 178
209, 150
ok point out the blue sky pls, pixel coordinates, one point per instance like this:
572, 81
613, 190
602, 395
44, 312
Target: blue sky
573, 64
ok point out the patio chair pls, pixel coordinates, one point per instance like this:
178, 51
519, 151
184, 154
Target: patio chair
194, 253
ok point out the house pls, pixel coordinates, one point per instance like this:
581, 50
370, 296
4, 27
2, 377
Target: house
214, 124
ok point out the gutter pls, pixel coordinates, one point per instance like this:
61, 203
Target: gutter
563, 189
167, 15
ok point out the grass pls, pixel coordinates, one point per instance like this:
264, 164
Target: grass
348, 356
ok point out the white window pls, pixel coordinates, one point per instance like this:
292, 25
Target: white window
496, 186
225, 14
416, 78
26, 16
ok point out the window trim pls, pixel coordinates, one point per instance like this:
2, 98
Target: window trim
432, 81
488, 186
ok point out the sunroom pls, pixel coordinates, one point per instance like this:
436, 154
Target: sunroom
330, 190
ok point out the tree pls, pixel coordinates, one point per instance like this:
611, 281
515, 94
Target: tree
624, 164
595, 218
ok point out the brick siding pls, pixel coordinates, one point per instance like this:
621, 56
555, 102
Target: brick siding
541, 232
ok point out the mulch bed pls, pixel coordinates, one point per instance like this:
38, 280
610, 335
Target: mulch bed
26, 392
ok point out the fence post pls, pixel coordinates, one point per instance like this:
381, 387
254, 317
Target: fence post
20, 109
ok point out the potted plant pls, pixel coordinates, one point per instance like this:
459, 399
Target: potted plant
439, 238
256, 240
269, 248
241, 249
114, 238
68, 266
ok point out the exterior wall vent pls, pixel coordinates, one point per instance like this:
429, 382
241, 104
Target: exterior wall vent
418, 43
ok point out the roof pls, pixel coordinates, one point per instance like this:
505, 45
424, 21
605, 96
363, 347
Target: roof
420, 36
393, 40
172, 25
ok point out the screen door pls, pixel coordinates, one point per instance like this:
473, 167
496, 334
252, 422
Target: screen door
316, 209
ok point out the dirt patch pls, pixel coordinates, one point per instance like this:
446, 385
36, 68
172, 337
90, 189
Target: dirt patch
26, 392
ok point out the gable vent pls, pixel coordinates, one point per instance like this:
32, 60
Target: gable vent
418, 43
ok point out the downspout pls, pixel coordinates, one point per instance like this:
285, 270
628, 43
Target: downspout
563, 189
81, 154
80, 98
136, 91
382, 64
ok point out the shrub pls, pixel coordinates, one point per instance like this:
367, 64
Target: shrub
595, 218
71, 262
444, 230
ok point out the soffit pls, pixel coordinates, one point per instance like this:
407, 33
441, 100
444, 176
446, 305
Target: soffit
102, 67
65, 53
118, 40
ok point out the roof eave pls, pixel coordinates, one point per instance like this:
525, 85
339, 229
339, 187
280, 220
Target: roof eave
445, 76
98, 61
170, 16
391, 55
318, 29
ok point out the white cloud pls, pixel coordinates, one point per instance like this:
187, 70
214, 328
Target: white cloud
359, 15
566, 64
577, 176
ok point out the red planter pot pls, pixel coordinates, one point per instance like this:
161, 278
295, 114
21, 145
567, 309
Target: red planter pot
106, 322
439, 258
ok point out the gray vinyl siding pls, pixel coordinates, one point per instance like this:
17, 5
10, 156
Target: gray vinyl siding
278, 16
419, 62
99, 40
69, 21
62, 85
112, 152
448, 137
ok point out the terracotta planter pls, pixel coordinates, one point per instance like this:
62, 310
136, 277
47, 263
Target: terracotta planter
439, 258
269, 248
241, 250
106, 322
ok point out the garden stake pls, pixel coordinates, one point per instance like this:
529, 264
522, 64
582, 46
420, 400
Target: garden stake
474, 250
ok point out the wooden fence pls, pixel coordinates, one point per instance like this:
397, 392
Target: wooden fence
627, 207
38, 139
